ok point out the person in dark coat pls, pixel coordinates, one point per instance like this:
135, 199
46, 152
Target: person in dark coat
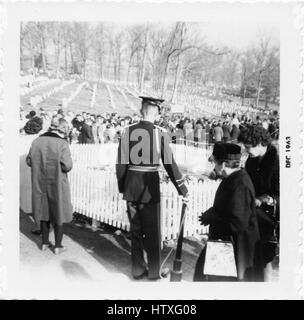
77, 122
50, 161
142, 146
226, 132
34, 124
272, 128
234, 134
233, 215
86, 132
198, 132
263, 168
178, 135
218, 132
208, 134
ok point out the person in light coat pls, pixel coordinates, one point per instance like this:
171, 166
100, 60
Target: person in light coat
50, 161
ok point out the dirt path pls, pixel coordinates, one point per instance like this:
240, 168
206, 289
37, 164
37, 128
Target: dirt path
94, 256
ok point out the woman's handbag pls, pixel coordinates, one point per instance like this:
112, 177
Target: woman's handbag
220, 259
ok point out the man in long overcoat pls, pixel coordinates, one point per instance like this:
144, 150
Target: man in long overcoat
50, 161
233, 215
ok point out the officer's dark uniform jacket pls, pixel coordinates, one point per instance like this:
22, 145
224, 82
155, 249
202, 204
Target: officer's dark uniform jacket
141, 148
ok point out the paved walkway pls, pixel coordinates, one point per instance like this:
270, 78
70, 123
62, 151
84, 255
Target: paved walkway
100, 255
92, 255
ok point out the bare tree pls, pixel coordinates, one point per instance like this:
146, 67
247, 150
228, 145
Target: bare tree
27, 43
134, 35
247, 72
263, 55
56, 34
42, 34
158, 41
165, 60
116, 41
34, 37
99, 49
144, 56
82, 43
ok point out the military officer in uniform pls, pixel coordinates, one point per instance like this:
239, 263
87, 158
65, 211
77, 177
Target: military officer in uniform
140, 150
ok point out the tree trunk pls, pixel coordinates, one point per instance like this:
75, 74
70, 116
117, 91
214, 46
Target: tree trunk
119, 68
84, 69
129, 67
266, 101
42, 49
72, 58
32, 57
258, 90
65, 59
177, 70
57, 58
244, 94
274, 98
176, 80
101, 69
21, 56
142, 74
164, 84
42, 45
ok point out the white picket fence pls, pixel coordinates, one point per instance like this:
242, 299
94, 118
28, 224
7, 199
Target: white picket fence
95, 194
185, 155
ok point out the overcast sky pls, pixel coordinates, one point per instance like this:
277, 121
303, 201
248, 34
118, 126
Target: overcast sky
234, 33
238, 35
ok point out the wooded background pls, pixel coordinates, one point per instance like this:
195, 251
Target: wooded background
166, 60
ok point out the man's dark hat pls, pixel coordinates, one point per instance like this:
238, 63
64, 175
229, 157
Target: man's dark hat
152, 101
218, 151
233, 151
226, 151
31, 114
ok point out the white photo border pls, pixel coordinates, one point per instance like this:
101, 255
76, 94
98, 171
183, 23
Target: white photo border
288, 16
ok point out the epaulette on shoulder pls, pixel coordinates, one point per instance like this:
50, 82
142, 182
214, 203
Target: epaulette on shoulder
161, 129
128, 126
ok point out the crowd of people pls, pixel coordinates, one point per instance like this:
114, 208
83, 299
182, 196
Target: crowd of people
84, 128
88, 128
246, 205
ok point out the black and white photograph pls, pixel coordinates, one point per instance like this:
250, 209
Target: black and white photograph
153, 151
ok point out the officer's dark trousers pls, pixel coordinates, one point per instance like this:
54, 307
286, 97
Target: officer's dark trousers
145, 235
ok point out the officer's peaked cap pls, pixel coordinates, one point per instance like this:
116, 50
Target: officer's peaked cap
152, 101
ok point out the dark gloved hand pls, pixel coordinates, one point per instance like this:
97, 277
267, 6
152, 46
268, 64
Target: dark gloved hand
205, 218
